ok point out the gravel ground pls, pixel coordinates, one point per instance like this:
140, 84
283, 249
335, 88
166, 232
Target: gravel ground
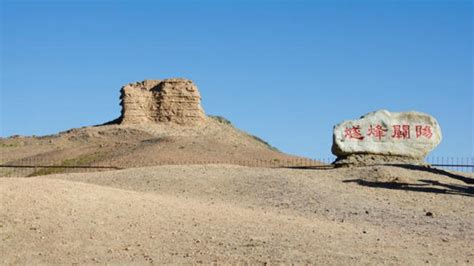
224, 213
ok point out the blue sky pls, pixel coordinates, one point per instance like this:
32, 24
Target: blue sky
286, 71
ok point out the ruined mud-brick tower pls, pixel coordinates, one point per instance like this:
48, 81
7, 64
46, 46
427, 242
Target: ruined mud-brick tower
174, 100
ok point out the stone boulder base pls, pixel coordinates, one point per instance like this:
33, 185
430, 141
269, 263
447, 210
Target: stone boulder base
153, 101
383, 137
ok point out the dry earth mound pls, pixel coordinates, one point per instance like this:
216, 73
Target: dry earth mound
137, 145
162, 122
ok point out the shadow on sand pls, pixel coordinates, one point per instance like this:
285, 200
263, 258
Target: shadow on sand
427, 186
437, 171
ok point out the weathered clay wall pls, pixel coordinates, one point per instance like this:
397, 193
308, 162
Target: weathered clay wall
153, 101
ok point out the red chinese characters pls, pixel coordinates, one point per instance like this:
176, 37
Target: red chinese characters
377, 132
401, 131
353, 133
424, 131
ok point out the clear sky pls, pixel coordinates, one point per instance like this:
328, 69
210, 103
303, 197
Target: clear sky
286, 71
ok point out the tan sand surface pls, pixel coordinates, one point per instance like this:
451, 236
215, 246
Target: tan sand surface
223, 213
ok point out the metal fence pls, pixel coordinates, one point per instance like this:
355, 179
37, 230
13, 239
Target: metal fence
459, 164
38, 166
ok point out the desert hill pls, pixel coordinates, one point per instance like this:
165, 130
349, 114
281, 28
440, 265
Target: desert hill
232, 214
213, 141
162, 122
182, 198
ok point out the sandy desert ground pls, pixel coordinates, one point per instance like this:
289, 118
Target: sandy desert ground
224, 213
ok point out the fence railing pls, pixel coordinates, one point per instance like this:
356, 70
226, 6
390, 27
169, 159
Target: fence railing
459, 164
37, 166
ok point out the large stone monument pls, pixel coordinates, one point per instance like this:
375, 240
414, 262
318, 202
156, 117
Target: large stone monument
383, 137
158, 101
